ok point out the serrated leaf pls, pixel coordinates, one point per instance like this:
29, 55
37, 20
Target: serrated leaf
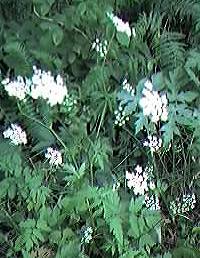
169, 130
158, 81
38, 234
140, 123
116, 228
134, 226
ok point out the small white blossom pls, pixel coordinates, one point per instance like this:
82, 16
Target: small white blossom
15, 134
154, 104
153, 142
116, 186
184, 204
16, 88
152, 202
54, 156
120, 25
139, 180
45, 86
86, 234
128, 87
41, 85
120, 117
100, 47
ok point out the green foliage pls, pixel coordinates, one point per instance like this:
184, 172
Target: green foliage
84, 206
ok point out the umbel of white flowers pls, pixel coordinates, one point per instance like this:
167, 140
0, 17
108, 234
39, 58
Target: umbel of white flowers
128, 87
120, 25
53, 156
15, 134
120, 116
154, 105
141, 184
100, 47
184, 204
139, 181
42, 85
86, 234
152, 202
16, 88
153, 142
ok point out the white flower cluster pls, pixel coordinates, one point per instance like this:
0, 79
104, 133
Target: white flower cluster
181, 206
17, 88
54, 156
41, 85
139, 181
45, 86
120, 25
15, 134
152, 202
153, 104
120, 117
153, 142
100, 47
87, 234
128, 87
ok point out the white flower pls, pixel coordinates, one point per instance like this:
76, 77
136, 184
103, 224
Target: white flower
54, 156
153, 104
148, 85
152, 202
153, 142
45, 86
100, 47
120, 117
120, 25
138, 180
15, 134
184, 204
16, 88
87, 234
128, 87
41, 85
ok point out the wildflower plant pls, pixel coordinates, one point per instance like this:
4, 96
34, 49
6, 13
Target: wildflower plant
99, 121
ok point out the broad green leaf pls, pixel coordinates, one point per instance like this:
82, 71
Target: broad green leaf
57, 35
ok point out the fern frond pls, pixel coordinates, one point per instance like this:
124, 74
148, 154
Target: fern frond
16, 57
171, 50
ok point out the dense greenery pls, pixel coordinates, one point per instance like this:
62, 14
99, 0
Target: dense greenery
46, 210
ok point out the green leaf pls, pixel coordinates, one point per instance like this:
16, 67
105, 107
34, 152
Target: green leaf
28, 244
134, 226
136, 205
55, 237
185, 252
57, 35
187, 96
158, 81
196, 230
140, 123
123, 39
116, 229
169, 130
38, 234
43, 6
146, 240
